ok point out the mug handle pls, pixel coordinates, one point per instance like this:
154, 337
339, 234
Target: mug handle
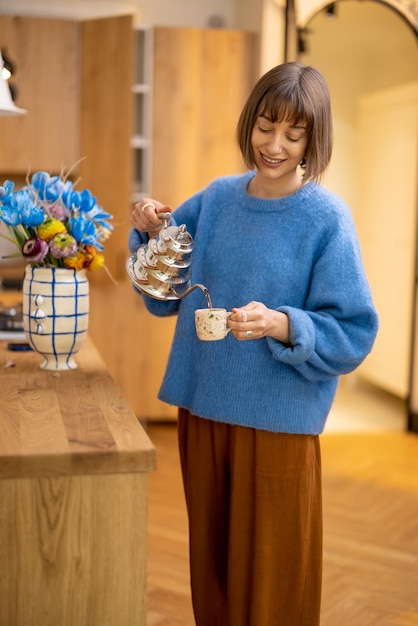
228, 330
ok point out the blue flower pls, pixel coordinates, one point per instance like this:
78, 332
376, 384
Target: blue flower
50, 189
30, 214
100, 217
84, 201
57, 190
6, 191
39, 182
10, 216
85, 231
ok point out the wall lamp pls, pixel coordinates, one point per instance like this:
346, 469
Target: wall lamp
8, 67
7, 106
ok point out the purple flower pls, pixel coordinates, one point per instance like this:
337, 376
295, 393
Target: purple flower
35, 250
59, 211
63, 245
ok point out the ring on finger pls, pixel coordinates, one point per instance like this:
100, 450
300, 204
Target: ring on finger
244, 315
146, 205
249, 333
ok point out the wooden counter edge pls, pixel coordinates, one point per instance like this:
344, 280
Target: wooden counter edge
131, 450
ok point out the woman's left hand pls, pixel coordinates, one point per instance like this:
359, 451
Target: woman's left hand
255, 320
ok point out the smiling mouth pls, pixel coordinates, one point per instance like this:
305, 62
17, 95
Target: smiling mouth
271, 161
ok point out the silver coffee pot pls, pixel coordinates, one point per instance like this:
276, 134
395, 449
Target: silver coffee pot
161, 268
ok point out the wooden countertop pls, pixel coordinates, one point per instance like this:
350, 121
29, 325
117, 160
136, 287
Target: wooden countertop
66, 423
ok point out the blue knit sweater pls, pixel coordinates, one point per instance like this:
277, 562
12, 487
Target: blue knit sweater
298, 254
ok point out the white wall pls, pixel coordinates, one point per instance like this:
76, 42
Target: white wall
386, 220
68, 9
355, 60
239, 14
368, 54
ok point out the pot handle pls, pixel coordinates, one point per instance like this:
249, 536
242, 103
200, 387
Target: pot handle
166, 218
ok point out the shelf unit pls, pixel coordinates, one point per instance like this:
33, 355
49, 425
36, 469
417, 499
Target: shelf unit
141, 141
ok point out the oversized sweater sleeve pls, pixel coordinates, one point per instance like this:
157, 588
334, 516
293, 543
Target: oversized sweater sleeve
337, 327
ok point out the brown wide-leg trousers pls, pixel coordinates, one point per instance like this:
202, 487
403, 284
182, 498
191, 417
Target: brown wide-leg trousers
255, 524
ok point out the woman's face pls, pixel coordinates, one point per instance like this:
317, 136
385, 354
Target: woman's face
278, 149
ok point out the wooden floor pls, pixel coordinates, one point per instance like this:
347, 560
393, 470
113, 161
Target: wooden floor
370, 537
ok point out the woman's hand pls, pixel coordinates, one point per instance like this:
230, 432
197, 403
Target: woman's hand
146, 216
255, 320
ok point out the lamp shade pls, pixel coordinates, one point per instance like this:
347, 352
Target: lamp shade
7, 106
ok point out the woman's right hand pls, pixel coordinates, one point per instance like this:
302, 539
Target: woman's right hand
146, 216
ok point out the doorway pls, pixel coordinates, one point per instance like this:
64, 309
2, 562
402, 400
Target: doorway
369, 55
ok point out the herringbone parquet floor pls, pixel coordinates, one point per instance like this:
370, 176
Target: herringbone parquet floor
370, 537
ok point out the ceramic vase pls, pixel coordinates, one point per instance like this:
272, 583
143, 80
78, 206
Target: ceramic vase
55, 314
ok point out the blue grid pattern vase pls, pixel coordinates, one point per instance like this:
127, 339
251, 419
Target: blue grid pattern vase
56, 314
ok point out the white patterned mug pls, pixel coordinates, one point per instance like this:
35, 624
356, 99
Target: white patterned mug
211, 324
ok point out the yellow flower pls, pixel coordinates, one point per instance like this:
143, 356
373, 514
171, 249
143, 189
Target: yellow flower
96, 262
49, 228
75, 262
88, 258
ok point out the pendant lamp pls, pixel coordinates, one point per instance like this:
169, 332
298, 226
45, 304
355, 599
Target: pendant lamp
7, 106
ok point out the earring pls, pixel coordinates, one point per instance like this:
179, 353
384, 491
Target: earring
303, 162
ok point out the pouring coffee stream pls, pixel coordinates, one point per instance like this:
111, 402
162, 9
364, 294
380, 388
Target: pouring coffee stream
161, 267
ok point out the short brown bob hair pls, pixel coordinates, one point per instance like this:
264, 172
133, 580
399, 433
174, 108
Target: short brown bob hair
297, 93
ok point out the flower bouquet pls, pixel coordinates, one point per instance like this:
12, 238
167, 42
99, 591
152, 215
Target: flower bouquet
60, 233
53, 225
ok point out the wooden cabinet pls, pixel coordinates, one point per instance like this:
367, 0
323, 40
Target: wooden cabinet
46, 55
202, 78
106, 50
189, 88
133, 344
197, 81
74, 79
156, 105
73, 488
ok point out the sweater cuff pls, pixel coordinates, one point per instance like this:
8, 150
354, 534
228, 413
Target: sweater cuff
136, 239
302, 338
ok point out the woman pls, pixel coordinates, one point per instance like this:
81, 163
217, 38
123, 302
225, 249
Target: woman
281, 252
